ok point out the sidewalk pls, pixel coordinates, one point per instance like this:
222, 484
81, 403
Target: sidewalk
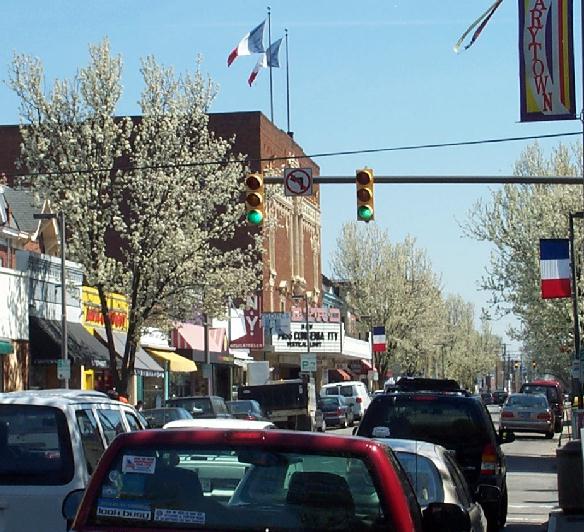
561, 522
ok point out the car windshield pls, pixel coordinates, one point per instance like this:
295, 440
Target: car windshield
35, 446
232, 488
549, 391
345, 391
330, 401
439, 419
527, 400
241, 407
424, 476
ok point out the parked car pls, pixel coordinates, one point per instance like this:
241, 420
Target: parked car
50, 443
336, 411
499, 396
554, 393
205, 406
456, 421
436, 477
246, 409
252, 480
355, 393
527, 412
158, 417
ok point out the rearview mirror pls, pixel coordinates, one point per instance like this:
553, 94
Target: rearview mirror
446, 517
506, 436
71, 504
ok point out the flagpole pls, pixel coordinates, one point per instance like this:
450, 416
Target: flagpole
270, 44
288, 86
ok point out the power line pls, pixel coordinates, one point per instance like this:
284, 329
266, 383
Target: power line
308, 156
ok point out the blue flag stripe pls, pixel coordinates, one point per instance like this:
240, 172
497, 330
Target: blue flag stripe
554, 248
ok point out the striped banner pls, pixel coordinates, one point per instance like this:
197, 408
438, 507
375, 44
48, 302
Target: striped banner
546, 60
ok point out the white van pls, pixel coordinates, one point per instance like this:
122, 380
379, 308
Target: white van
50, 443
354, 392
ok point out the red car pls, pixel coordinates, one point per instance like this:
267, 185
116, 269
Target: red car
192, 479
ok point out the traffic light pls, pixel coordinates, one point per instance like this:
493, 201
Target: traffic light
364, 179
254, 199
516, 365
534, 364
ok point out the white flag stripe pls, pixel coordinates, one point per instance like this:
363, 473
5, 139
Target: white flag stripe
555, 269
379, 338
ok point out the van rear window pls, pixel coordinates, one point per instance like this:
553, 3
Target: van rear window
549, 391
35, 446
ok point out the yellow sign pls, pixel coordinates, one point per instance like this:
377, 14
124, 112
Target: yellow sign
92, 315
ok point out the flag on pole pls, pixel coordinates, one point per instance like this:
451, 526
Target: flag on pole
379, 344
481, 22
266, 60
554, 260
252, 43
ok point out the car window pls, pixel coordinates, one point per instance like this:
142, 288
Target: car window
424, 476
93, 446
549, 391
111, 423
219, 406
132, 420
435, 418
35, 446
462, 489
235, 488
528, 400
347, 391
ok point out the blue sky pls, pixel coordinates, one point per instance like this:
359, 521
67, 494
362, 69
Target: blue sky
365, 74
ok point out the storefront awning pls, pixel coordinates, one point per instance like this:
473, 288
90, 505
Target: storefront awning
366, 364
5, 346
341, 374
178, 363
144, 364
190, 337
82, 347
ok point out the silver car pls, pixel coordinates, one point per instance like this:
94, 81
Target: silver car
527, 412
436, 477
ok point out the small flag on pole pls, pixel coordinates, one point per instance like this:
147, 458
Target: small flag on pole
379, 344
266, 60
481, 22
252, 43
554, 261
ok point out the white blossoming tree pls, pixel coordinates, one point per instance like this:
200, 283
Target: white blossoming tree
153, 204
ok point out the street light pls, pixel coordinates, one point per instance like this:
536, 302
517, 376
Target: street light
61, 217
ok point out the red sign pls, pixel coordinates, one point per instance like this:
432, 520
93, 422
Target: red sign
94, 316
252, 320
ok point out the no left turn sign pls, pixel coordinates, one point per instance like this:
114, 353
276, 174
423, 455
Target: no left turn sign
298, 181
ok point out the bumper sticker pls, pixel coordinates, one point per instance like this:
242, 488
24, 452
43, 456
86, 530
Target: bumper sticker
179, 516
138, 464
123, 508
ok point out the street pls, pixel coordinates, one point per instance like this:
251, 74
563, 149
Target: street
531, 478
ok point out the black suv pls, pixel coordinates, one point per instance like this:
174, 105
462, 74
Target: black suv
202, 406
438, 411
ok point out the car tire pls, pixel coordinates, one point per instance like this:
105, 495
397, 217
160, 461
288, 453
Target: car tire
352, 422
344, 424
549, 435
496, 513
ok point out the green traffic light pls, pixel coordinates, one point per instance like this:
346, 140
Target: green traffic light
365, 213
255, 217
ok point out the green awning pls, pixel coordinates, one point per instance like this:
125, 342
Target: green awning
5, 347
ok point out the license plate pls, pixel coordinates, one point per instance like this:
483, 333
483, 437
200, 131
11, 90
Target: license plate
525, 415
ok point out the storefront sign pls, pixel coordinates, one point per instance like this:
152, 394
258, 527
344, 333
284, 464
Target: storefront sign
318, 315
323, 337
92, 315
250, 324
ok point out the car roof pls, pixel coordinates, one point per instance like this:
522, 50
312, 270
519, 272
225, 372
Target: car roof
56, 397
343, 383
219, 423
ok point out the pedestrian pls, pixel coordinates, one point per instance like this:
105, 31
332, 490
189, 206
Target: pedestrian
140, 406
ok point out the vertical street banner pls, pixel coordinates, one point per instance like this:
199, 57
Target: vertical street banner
554, 261
379, 344
546, 60
247, 331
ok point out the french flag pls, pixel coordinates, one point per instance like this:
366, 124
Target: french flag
379, 344
554, 261
252, 43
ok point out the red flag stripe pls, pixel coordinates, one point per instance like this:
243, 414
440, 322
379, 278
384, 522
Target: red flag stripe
232, 56
555, 288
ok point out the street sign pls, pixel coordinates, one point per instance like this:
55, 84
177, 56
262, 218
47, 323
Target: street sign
308, 362
63, 369
298, 181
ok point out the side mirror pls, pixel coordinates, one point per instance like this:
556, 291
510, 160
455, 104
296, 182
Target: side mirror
487, 493
506, 436
446, 517
71, 504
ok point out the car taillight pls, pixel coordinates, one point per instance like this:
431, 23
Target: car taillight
507, 414
243, 435
339, 410
544, 415
358, 400
489, 460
